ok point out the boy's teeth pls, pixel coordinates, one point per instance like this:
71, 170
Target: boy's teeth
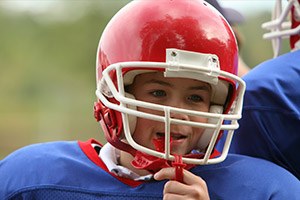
173, 136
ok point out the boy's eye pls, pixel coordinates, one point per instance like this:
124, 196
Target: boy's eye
158, 93
195, 98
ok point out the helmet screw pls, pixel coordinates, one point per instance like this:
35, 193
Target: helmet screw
174, 54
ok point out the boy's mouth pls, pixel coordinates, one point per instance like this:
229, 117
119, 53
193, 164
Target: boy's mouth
174, 136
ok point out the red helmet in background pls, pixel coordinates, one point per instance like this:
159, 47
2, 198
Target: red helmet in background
189, 39
280, 27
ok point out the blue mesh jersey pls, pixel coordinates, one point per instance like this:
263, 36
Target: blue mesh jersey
73, 170
270, 126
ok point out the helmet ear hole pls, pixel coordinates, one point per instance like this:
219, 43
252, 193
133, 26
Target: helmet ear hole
208, 133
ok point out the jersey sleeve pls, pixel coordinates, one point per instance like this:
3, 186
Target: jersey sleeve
270, 124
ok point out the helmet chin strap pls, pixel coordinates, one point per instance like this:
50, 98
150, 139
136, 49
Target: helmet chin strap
153, 164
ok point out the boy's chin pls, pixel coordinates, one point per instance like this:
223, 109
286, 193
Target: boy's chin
179, 152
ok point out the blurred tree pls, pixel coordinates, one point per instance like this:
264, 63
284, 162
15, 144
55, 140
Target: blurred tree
47, 70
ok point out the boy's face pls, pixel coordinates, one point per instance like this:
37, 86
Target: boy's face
176, 92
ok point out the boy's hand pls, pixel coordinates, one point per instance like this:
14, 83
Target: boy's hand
193, 187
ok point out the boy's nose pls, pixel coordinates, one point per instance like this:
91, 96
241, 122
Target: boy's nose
178, 104
181, 116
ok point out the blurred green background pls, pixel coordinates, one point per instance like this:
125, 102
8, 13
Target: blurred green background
47, 68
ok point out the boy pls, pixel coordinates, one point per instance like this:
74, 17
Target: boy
166, 81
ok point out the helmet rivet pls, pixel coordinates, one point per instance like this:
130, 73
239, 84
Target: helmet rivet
173, 53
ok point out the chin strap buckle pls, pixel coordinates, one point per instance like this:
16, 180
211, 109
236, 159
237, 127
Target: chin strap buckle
179, 166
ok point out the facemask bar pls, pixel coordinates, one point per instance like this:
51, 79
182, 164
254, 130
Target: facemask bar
279, 26
126, 111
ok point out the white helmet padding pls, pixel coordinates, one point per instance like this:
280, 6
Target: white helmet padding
208, 133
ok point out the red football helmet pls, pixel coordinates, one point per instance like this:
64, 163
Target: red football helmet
280, 27
188, 39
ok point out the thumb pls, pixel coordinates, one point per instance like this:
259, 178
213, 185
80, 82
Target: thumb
165, 173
